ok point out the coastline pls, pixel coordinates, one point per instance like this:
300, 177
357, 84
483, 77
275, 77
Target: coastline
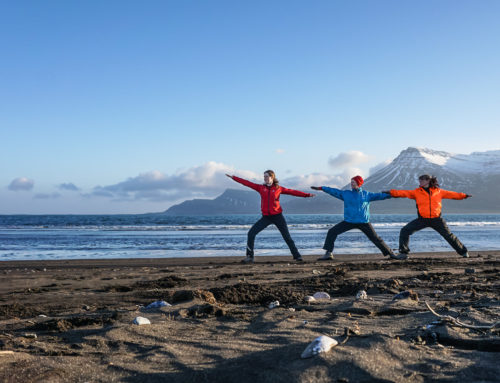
71, 320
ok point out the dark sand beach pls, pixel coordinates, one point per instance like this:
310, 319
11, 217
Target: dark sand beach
71, 321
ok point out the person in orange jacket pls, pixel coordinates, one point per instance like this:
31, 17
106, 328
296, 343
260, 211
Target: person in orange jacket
270, 193
428, 198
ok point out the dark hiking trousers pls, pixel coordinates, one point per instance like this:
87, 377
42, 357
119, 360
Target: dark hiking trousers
279, 221
366, 228
438, 224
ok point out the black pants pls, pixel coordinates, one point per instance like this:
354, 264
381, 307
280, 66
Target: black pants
438, 224
279, 221
366, 228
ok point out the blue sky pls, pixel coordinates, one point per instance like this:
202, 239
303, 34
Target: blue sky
130, 107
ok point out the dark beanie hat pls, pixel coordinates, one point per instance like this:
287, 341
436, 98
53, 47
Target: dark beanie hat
359, 180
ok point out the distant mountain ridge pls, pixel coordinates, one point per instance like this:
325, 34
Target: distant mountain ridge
477, 173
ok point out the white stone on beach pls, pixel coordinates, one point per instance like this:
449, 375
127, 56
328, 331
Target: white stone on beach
141, 321
157, 304
309, 299
322, 343
274, 304
321, 295
361, 295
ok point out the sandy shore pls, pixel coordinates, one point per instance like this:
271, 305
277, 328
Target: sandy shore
71, 321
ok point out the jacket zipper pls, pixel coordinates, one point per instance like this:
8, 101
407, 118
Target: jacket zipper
430, 201
269, 201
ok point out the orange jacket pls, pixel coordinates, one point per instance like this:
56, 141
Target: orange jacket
428, 203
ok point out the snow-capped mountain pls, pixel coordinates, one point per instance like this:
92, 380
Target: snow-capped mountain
454, 171
477, 173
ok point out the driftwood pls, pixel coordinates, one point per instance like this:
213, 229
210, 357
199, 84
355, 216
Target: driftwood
348, 332
456, 322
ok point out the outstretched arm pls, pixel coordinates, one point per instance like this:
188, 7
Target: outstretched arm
402, 193
296, 193
332, 191
454, 195
378, 196
245, 182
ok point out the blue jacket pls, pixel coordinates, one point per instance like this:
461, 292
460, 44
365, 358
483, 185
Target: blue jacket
356, 203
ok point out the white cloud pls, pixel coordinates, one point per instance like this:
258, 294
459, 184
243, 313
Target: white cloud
21, 184
68, 186
348, 159
202, 181
379, 166
280, 151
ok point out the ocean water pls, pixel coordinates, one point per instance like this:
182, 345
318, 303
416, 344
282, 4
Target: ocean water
40, 237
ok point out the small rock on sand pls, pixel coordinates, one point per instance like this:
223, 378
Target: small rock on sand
309, 299
361, 295
157, 304
141, 321
322, 343
274, 304
321, 295
407, 294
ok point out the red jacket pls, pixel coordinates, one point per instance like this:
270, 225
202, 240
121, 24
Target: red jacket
428, 204
270, 195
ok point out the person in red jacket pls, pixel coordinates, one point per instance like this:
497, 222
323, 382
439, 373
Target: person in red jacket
270, 193
428, 198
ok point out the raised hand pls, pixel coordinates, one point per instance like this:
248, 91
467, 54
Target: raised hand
468, 196
316, 187
229, 175
386, 192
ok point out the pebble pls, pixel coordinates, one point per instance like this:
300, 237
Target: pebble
274, 304
405, 295
157, 304
321, 295
361, 295
470, 271
309, 299
321, 344
30, 335
141, 321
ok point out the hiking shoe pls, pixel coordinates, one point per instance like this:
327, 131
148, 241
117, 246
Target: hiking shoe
400, 257
298, 259
465, 255
247, 260
327, 257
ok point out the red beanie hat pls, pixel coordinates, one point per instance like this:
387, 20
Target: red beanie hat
358, 179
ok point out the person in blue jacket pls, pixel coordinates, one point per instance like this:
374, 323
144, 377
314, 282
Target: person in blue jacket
356, 216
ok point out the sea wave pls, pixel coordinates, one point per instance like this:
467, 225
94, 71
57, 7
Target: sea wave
218, 227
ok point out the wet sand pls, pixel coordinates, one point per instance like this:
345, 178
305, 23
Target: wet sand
71, 321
